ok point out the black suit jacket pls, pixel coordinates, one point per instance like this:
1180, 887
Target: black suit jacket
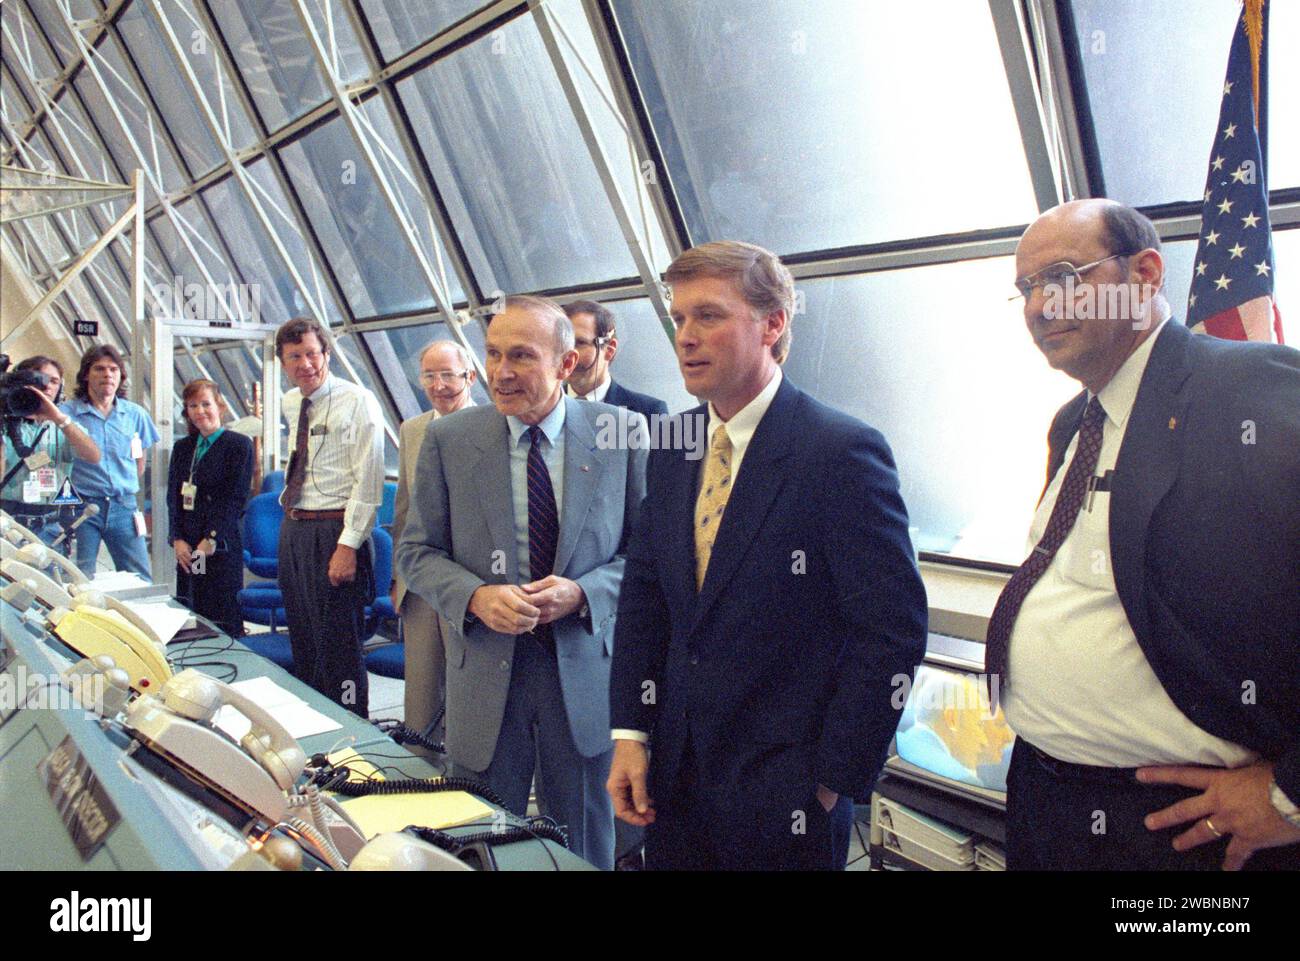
222, 476
779, 673
1205, 534
643, 404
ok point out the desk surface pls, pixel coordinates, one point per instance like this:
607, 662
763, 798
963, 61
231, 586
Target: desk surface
31, 815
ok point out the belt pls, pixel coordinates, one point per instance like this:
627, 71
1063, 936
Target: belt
295, 514
1066, 770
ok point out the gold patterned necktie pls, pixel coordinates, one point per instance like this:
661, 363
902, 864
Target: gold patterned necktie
712, 502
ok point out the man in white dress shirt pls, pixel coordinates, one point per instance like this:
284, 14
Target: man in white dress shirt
446, 375
333, 489
1146, 646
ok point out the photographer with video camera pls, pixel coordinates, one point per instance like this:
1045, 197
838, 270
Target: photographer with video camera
39, 440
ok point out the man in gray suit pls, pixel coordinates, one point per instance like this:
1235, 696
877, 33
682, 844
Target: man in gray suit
446, 375
516, 536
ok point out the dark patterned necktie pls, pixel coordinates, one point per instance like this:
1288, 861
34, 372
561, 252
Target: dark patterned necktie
297, 473
543, 524
1069, 500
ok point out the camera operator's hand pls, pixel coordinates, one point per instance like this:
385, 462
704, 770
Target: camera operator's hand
47, 411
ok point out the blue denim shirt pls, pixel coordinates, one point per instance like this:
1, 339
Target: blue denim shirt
116, 474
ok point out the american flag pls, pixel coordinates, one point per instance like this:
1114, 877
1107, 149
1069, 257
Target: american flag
1232, 283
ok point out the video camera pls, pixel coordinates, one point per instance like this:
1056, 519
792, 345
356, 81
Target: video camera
15, 399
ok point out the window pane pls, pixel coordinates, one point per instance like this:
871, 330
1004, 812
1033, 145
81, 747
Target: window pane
276, 58
819, 126
939, 361
13, 106
397, 352
255, 254
646, 361
203, 55
357, 232
243, 375
400, 25
1154, 149
142, 122
151, 51
197, 303
502, 144
84, 145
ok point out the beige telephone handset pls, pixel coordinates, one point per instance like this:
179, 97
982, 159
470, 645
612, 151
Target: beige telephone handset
49, 593
42, 557
14, 532
99, 599
92, 631
257, 775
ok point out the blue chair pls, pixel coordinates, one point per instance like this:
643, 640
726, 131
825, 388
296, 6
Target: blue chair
388, 661
274, 647
273, 482
261, 601
262, 522
388, 507
380, 608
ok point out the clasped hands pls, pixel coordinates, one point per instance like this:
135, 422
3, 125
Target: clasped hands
518, 608
185, 554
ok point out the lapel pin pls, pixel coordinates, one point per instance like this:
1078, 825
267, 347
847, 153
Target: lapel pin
1173, 422
585, 468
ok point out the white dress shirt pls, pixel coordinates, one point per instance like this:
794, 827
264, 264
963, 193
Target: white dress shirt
552, 446
598, 395
1080, 687
740, 430
345, 454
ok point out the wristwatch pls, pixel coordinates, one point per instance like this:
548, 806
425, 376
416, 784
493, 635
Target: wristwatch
1283, 804
63, 424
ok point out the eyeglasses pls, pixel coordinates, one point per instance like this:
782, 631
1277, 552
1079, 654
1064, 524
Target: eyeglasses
1061, 274
311, 356
430, 377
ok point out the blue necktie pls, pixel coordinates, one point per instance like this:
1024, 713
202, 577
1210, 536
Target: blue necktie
543, 523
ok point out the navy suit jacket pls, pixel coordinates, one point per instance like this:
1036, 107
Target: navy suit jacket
643, 404
1205, 534
223, 477
780, 671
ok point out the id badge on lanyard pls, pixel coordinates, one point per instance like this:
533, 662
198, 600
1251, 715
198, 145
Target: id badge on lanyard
189, 491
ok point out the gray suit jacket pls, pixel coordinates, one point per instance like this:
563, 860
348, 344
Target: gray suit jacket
410, 437
459, 535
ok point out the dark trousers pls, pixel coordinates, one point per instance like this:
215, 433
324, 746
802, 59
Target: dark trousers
570, 787
326, 623
1065, 817
695, 830
214, 593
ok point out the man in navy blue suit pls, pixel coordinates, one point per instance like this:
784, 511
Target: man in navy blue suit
596, 340
1147, 648
770, 604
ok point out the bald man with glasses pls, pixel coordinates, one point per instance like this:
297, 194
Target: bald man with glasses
447, 376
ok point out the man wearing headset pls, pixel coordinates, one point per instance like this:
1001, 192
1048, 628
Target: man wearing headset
596, 341
332, 491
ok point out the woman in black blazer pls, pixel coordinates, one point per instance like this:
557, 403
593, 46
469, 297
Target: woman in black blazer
207, 490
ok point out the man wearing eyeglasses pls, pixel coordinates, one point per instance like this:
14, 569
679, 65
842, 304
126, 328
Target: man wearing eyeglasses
597, 342
1146, 649
446, 375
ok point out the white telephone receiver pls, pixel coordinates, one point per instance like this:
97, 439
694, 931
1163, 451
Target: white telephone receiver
39, 556
257, 775
49, 593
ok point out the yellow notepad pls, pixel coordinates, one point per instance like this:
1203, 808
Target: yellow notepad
392, 812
